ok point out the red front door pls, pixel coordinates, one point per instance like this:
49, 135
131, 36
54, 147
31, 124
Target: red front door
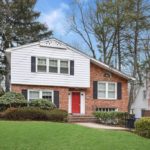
75, 102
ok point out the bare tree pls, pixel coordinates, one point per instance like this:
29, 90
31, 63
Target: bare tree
80, 24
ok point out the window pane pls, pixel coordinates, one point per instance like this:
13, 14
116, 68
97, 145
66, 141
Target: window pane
53, 63
41, 61
101, 94
111, 86
53, 66
41, 65
47, 95
33, 95
111, 94
102, 86
64, 64
64, 70
41, 68
64, 67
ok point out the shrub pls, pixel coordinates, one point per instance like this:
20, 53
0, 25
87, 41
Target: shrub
111, 117
142, 127
42, 103
12, 99
31, 113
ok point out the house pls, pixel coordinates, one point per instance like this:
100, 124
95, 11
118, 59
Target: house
53, 70
141, 105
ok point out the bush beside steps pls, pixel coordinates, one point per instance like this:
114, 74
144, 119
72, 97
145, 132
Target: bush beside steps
32, 113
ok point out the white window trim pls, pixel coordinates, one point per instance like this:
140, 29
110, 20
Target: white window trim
106, 92
68, 66
58, 65
37, 64
40, 93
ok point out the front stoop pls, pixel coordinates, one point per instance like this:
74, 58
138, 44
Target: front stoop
81, 118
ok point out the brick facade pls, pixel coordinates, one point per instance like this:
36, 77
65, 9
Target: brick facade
97, 74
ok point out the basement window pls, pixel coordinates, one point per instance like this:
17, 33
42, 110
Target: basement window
106, 109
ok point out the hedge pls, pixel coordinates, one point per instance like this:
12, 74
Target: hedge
12, 99
111, 117
42, 103
30, 113
142, 127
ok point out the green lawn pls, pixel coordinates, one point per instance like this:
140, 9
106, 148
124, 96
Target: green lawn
59, 136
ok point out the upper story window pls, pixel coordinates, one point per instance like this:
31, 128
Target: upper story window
64, 66
41, 65
107, 90
53, 65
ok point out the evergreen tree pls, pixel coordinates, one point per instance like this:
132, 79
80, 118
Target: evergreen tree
18, 26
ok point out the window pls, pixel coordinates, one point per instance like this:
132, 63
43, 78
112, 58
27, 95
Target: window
64, 68
102, 90
107, 90
34, 95
111, 90
47, 95
106, 109
41, 94
41, 65
53, 66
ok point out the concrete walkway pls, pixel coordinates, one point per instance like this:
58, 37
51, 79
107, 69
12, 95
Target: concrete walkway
100, 126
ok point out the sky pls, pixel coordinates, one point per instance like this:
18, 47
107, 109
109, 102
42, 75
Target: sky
54, 14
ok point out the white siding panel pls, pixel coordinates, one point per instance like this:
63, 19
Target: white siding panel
21, 67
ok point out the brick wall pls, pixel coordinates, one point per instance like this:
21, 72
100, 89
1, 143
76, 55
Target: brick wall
145, 113
97, 74
63, 92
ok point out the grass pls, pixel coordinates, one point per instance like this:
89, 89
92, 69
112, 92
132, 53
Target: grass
59, 136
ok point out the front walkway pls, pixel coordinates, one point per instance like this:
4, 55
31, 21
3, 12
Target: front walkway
100, 126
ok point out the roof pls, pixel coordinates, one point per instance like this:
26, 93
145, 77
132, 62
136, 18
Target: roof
63, 45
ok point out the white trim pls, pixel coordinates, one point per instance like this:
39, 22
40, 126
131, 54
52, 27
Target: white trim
70, 102
57, 65
40, 93
106, 90
82, 103
68, 66
47, 65
43, 65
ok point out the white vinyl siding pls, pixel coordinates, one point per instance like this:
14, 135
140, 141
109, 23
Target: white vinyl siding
40, 94
21, 67
107, 90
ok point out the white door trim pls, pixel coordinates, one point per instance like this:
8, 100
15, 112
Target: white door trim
82, 102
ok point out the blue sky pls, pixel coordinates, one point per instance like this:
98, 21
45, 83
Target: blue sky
54, 14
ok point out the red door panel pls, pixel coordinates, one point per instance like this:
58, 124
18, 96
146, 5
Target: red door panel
75, 102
